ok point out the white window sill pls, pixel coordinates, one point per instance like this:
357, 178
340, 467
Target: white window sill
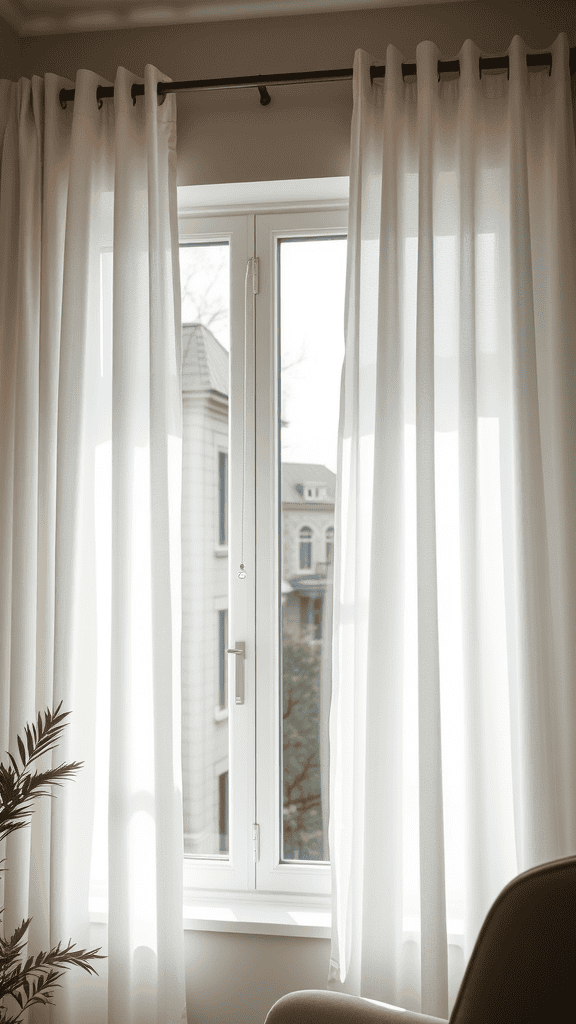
258, 914
246, 913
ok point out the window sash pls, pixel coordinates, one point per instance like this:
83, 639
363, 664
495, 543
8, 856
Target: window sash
272, 874
233, 869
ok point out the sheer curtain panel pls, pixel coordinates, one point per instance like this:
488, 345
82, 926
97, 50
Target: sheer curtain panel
90, 452
453, 723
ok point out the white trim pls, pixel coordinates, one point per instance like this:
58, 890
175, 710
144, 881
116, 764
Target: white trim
53, 20
208, 911
258, 197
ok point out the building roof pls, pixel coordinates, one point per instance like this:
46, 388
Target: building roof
205, 369
295, 477
204, 361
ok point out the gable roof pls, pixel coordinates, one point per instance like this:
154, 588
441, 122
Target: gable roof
204, 361
205, 370
296, 474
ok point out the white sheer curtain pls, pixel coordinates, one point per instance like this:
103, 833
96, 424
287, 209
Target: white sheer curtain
453, 724
90, 450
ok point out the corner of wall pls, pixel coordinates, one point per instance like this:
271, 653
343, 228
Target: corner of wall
10, 52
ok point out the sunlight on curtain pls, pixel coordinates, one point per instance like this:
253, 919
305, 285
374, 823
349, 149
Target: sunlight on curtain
453, 722
90, 492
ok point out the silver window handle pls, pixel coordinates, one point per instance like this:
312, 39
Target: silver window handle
240, 651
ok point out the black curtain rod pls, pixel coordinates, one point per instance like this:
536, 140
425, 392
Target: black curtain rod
302, 77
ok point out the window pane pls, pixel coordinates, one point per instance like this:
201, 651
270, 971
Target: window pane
205, 281
223, 656
311, 273
223, 497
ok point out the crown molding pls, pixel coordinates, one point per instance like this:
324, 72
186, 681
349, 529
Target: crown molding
92, 18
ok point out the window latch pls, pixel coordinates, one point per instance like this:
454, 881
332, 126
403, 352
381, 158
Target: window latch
240, 651
256, 841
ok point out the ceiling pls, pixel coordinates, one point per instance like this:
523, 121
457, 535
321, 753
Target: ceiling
47, 17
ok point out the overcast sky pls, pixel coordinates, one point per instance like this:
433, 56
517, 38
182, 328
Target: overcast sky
312, 276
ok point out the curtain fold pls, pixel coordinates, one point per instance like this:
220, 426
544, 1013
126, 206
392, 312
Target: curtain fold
90, 470
453, 721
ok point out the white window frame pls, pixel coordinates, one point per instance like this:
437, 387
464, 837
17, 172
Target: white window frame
252, 217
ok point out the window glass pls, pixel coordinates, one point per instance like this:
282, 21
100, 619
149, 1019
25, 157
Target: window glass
205, 282
311, 275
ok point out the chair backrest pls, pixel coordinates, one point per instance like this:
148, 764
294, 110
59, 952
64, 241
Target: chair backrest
523, 966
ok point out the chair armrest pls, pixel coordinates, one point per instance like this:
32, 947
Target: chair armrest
314, 1006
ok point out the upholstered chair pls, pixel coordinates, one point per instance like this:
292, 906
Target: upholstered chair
522, 969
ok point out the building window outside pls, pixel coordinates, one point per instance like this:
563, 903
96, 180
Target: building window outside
222, 497
223, 657
330, 544
223, 811
305, 548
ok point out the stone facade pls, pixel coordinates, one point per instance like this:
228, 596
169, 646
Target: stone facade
307, 502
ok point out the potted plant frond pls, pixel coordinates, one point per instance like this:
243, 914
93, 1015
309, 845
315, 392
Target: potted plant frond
28, 980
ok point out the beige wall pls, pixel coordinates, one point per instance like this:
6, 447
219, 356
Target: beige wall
304, 132
235, 979
10, 65
231, 978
